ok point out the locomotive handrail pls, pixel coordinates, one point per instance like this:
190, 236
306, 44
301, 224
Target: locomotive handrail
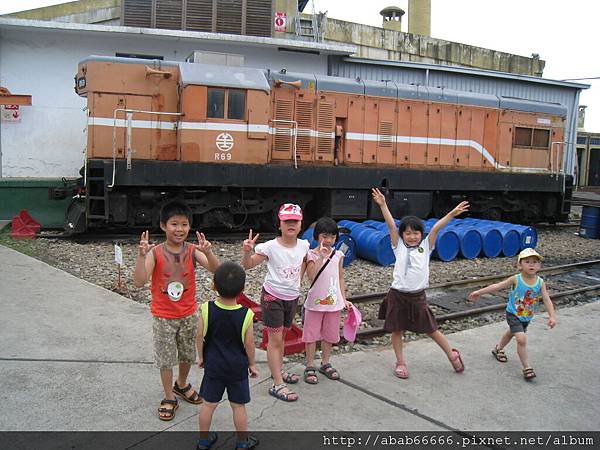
129, 117
556, 168
295, 134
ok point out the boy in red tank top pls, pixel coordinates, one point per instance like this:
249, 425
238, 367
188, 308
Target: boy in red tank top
171, 266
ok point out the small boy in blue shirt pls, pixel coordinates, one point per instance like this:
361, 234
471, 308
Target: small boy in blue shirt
526, 291
225, 343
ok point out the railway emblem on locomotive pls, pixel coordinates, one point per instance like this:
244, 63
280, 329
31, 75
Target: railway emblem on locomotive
224, 143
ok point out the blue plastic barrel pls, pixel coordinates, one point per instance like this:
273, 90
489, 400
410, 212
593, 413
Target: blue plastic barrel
447, 245
511, 241
470, 241
590, 222
371, 223
346, 244
491, 240
373, 245
350, 224
528, 235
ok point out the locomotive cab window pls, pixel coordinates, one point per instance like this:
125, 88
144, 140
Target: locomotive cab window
226, 103
531, 137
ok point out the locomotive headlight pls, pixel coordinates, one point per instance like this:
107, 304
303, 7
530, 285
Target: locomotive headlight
81, 82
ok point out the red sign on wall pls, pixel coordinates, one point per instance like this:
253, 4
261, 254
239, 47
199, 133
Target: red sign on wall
10, 113
280, 21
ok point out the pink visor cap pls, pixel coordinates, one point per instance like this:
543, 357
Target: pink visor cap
353, 320
290, 211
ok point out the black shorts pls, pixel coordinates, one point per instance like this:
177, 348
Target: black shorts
212, 390
516, 325
276, 313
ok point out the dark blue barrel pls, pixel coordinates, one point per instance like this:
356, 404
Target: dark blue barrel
447, 245
382, 227
371, 223
470, 242
373, 245
346, 244
528, 236
350, 224
491, 240
590, 222
511, 241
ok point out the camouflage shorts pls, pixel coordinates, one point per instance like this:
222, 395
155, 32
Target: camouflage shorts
174, 340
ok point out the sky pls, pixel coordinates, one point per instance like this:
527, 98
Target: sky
561, 32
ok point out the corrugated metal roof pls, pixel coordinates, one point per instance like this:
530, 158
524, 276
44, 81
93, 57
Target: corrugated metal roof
420, 67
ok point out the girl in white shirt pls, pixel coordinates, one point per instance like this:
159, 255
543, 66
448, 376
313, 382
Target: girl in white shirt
285, 257
405, 306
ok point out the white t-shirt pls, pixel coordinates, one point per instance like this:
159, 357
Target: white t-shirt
411, 271
283, 267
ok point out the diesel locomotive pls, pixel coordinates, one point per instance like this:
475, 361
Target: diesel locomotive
236, 142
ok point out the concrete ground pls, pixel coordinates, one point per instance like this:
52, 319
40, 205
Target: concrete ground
77, 357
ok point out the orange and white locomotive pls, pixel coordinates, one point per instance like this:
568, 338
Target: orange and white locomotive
236, 142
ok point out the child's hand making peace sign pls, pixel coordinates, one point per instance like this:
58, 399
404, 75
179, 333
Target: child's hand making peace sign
145, 245
203, 245
249, 243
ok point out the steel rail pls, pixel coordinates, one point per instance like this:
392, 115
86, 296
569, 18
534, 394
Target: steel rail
375, 332
369, 298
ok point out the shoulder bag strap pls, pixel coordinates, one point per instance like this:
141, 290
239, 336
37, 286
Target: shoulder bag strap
322, 269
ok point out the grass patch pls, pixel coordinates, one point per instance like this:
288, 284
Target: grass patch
28, 247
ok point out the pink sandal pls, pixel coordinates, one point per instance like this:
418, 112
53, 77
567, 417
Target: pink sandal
460, 368
401, 371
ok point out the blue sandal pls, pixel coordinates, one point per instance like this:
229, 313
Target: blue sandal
206, 444
249, 443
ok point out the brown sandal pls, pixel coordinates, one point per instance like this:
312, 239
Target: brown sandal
329, 371
499, 354
528, 373
194, 399
170, 412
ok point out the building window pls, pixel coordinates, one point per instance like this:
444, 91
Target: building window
531, 137
594, 141
582, 140
234, 99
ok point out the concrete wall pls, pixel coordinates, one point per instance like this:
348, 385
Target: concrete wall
50, 138
377, 43
83, 11
373, 42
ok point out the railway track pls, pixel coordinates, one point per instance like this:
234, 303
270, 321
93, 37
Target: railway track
581, 201
451, 298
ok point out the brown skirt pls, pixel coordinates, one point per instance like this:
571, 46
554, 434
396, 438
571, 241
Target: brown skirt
407, 311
